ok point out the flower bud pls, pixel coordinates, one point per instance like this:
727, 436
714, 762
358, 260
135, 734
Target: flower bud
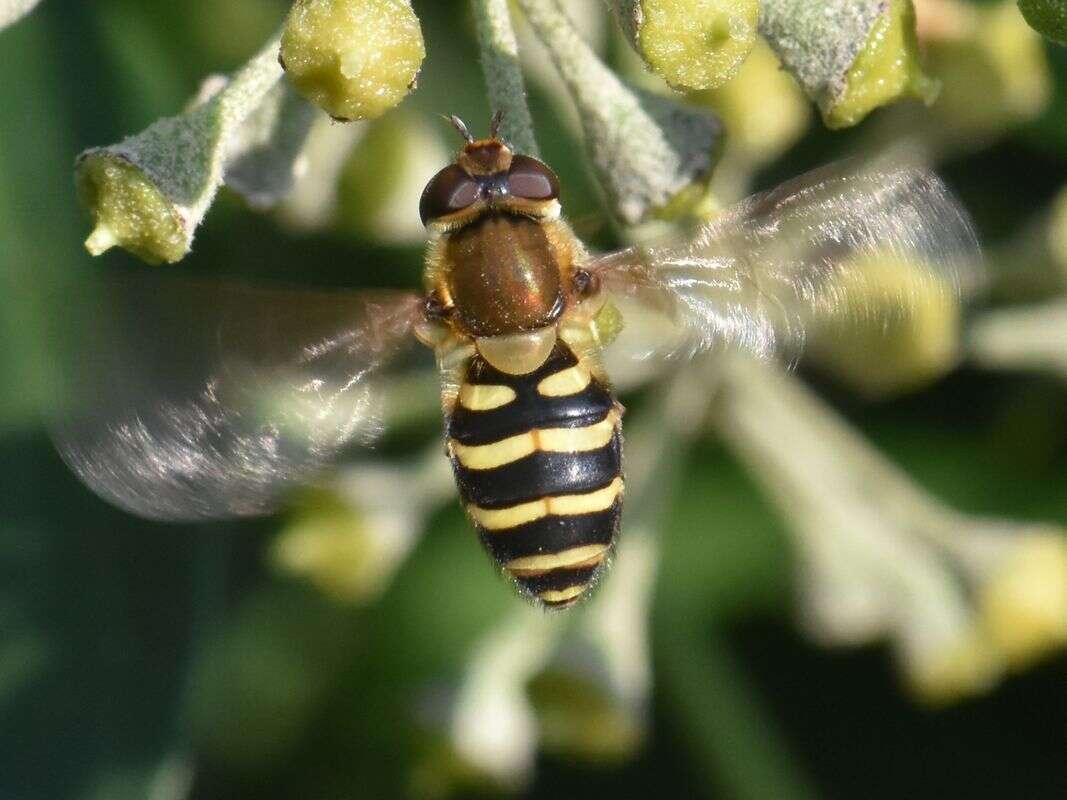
992, 67
691, 44
886, 69
355, 59
946, 670
850, 56
579, 717
492, 724
907, 350
346, 553
149, 192
652, 155
350, 537
130, 210
960, 598
1024, 598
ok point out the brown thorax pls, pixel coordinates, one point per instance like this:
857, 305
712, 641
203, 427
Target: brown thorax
501, 266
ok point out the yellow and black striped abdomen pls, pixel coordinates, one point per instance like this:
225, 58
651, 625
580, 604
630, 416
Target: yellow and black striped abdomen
538, 462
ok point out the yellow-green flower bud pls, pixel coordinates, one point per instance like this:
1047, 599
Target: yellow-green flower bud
850, 56
607, 324
350, 537
1024, 600
333, 546
129, 210
355, 59
907, 350
691, 44
952, 671
439, 771
149, 192
992, 67
886, 70
578, 717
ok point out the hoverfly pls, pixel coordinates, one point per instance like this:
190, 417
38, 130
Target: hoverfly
212, 401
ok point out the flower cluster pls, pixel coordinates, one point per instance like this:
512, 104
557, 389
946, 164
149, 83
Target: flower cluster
701, 95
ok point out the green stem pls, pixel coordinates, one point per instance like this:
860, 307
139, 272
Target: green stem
734, 743
651, 154
503, 75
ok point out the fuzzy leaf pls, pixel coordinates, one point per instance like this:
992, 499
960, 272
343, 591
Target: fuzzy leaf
850, 56
503, 75
265, 160
650, 153
149, 192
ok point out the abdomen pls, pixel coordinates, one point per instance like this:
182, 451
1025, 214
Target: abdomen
538, 463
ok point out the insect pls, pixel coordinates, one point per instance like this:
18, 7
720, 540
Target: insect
195, 401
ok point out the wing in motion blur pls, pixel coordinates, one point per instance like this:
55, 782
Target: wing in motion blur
191, 400
765, 270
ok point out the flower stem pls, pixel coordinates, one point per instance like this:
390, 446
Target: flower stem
651, 154
732, 737
503, 75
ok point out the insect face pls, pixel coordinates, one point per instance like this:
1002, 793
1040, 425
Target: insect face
488, 177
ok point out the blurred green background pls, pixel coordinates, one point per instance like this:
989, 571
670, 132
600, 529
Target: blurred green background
142, 660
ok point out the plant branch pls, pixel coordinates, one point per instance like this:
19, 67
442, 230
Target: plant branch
265, 158
646, 149
503, 75
880, 556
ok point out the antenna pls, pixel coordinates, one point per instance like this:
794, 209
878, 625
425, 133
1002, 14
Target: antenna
494, 124
460, 126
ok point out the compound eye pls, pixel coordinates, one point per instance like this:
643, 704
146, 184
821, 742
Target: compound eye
532, 179
448, 191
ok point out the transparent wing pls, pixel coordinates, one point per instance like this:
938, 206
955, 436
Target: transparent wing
763, 272
191, 400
